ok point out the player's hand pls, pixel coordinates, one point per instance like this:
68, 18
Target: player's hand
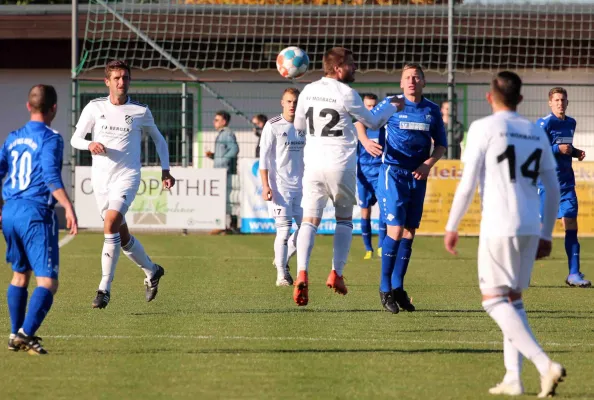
450, 240
565, 149
398, 102
581, 155
373, 148
71, 221
267, 193
168, 180
422, 172
210, 154
97, 148
544, 249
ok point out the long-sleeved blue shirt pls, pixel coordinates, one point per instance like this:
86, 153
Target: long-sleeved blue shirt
409, 133
31, 161
560, 131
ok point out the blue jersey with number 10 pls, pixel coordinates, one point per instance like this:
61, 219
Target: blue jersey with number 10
31, 161
410, 131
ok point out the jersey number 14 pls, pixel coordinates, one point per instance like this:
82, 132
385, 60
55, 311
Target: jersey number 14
510, 155
23, 165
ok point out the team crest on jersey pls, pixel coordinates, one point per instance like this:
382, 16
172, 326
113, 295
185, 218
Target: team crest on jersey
285, 134
128, 119
301, 133
428, 118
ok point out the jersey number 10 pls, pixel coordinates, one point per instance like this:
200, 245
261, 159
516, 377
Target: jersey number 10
510, 155
24, 169
327, 130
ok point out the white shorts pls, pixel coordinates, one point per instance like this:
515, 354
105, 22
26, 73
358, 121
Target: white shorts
505, 263
286, 204
116, 195
319, 186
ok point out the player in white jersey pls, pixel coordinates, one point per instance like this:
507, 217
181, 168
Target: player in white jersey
506, 154
281, 170
326, 109
116, 124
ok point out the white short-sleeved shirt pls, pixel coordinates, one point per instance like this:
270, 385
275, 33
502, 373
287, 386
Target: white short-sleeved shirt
119, 128
326, 109
508, 152
281, 153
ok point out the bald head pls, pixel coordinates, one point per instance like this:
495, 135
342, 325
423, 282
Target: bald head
42, 99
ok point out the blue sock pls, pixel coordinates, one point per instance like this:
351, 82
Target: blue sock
389, 251
39, 306
366, 233
16, 297
402, 259
572, 248
381, 233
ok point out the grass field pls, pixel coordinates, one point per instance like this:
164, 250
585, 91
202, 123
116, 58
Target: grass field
220, 329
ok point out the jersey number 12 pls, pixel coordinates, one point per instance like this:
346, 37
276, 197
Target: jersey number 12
327, 130
23, 167
510, 155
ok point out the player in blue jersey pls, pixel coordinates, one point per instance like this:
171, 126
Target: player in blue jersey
560, 129
369, 152
402, 181
31, 157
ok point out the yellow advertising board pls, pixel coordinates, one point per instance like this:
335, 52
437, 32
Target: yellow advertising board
445, 176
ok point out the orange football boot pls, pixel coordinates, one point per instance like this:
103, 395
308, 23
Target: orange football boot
300, 293
337, 283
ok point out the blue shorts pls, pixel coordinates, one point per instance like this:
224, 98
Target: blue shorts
401, 196
31, 234
568, 204
366, 183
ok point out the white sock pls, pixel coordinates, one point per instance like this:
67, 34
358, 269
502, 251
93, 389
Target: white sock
135, 252
109, 259
512, 326
283, 231
305, 243
511, 356
343, 236
292, 245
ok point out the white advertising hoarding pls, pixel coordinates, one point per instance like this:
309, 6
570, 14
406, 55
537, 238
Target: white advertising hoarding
196, 202
255, 216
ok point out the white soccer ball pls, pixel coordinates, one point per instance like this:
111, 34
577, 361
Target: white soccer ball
292, 62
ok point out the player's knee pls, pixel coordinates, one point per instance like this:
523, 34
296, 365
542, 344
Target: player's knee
570, 224
409, 233
495, 293
344, 213
48, 283
20, 280
394, 232
112, 222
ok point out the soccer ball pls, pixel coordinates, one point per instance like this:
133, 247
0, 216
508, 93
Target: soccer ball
292, 62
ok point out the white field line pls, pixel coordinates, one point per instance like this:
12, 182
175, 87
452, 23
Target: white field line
65, 240
302, 339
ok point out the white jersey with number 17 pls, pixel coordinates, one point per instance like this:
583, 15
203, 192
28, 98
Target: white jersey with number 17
326, 109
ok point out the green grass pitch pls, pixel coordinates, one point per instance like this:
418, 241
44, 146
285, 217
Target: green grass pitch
220, 329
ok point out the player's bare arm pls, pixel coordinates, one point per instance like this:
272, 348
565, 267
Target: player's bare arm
422, 172
71, 221
167, 179
373, 148
566, 149
266, 190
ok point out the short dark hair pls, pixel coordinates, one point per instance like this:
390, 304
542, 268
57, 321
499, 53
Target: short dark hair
371, 96
506, 87
42, 98
335, 57
415, 66
260, 117
116, 64
225, 115
556, 90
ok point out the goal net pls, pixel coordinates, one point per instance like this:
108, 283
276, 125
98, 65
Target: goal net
231, 35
